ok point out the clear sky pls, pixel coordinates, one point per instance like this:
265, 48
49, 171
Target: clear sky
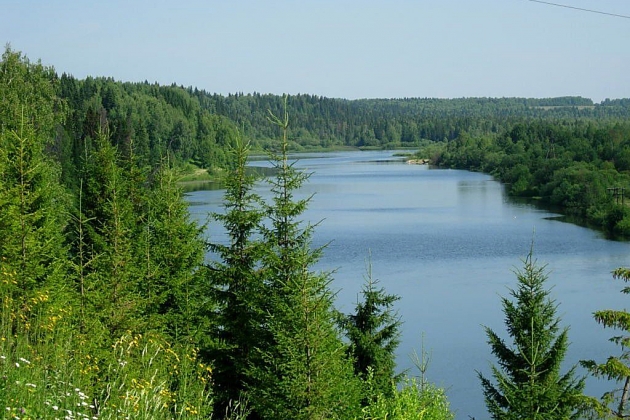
335, 48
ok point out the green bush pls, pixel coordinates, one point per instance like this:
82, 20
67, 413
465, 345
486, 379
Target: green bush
412, 402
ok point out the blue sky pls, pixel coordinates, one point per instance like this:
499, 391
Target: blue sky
335, 48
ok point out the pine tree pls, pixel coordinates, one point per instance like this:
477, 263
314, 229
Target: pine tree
236, 284
614, 403
305, 373
374, 334
529, 384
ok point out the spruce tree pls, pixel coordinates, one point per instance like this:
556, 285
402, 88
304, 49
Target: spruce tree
170, 248
528, 383
374, 334
617, 368
33, 205
108, 222
236, 284
304, 373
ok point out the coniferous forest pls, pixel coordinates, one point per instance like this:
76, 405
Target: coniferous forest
111, 309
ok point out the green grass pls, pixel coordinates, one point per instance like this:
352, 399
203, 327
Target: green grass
49, 370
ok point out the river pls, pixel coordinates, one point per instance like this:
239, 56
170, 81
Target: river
448, 242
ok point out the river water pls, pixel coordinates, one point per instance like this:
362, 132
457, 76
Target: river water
448, 242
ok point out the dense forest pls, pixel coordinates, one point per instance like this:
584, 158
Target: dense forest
566, 152
580, 167
111, 309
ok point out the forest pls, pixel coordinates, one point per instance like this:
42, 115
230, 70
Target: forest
111, 309
578, 166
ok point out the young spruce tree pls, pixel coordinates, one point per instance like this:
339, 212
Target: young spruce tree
171, 252
236, 285
109, 237
529, 384
304, 373
374, 334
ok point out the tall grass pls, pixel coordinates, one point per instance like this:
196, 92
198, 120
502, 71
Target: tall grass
48, 371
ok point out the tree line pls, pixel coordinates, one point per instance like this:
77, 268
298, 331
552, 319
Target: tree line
194, 125
110, 308
580, 167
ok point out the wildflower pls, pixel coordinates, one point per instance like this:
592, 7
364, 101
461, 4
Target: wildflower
32, 385
25, 361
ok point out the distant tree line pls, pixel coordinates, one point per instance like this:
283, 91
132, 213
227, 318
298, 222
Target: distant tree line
580, 166
194, 125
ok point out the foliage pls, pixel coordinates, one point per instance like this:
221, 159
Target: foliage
96, 328
101, 265
236, 284
304, 372
172, 252
576, 165
146, 379
528, 383
195, 125
32, 203
374, 331
411, 402
614, 403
